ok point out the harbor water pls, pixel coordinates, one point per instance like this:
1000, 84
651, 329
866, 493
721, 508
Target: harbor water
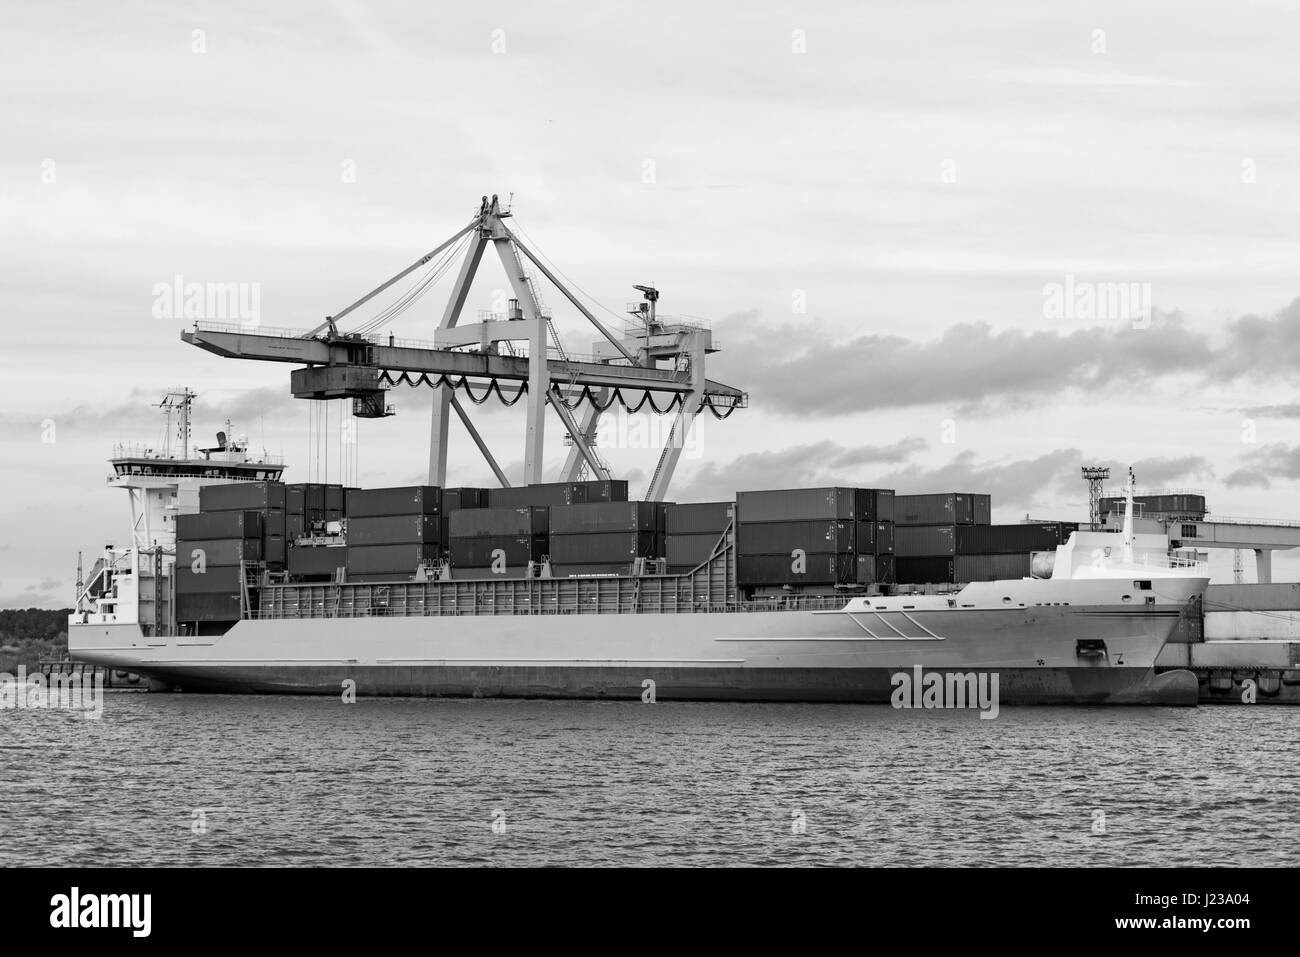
183, 780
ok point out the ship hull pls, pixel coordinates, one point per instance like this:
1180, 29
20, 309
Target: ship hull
1037, 654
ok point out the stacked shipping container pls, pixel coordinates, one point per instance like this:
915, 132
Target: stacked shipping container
925, 541
814, 537
604, 538
691, 531
497, 542
391, 531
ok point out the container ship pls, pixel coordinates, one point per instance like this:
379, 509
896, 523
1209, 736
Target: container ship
236, 581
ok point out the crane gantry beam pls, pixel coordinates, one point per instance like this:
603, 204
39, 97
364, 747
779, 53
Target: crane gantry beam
469, 356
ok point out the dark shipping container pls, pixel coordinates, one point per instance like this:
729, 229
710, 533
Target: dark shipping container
885, 532
924, 540
1010, 539
220, 551
690, 550
372, 559
483, 551
463, 497
983, 509
217, 578
885, 570
606, 517
987, 568
404, 500
316, 560
796, 505
598, 547
557, 493
696, 518
923, 571
753, 570
273, 549
207, 607
874, 504
241, 496
520, 521
199, 525
782, 538
395, 530
940, 508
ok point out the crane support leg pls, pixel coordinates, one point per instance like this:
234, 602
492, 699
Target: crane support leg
538, 375
442, 396
590, 419
478, 440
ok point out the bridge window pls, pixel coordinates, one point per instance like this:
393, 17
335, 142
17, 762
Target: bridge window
1189, 531
1143, 585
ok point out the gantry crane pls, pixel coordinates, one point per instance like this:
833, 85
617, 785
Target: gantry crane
655, 362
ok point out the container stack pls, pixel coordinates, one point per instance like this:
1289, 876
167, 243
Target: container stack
925, 537
604, 538
497, 542
691, 530
875, 536
796, 537
999, 552
557, 493
209, 549
391, 531
265, 498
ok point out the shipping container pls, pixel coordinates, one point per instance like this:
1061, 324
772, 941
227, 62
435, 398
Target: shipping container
866, 569
316, 560
294, 525
274, 522
334, 498
598, 547
983, 509
373, 559
988, 568
598, 517
273, 550
220, 551
488, 549
295, 500
865, 537
395, 530
690, 550
885, 532
241, 496
923, 571
464, 497
796, 505
940, 508
924, 540
696, 518
404, 500
514, 521
557, 493
826, 569
216, 578
885, 570
219, 525
1010, 539
216, 607
782, 538
874, 504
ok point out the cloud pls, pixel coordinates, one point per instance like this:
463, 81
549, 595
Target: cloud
1160, 471
1289, 411
975, 366
1260, 467
31, 598
816, 464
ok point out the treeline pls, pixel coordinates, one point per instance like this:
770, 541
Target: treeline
33, 624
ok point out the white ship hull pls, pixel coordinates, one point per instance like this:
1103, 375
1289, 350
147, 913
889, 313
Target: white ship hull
1042, 650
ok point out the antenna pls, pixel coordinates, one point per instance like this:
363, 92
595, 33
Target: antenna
1094, 475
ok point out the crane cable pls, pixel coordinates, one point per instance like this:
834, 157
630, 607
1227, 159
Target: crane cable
415, 292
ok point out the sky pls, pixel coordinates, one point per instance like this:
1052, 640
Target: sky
909, 225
